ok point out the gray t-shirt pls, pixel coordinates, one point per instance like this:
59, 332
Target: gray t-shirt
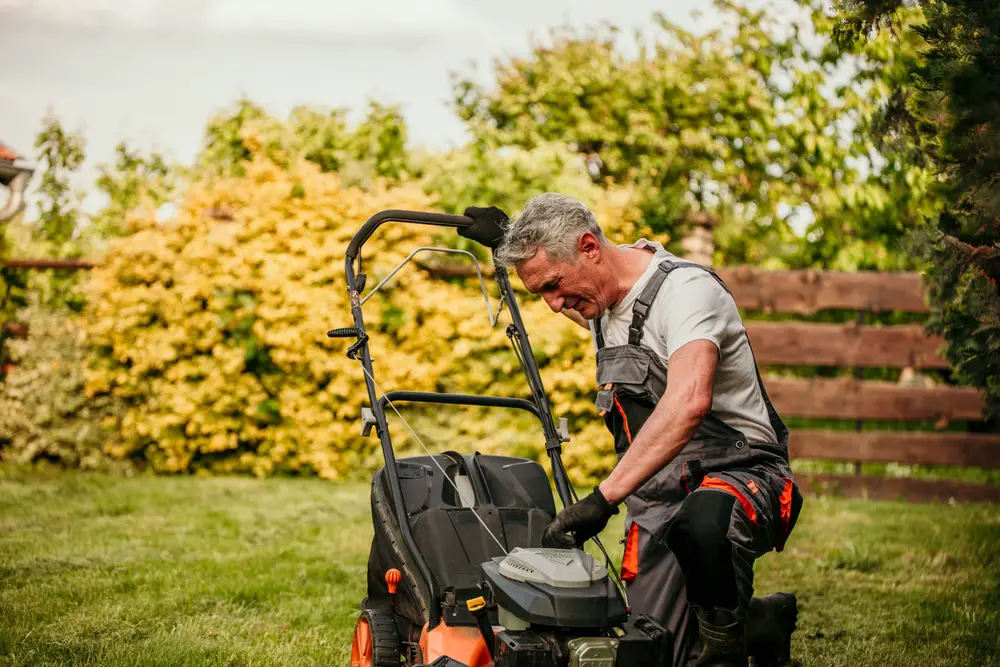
692, 305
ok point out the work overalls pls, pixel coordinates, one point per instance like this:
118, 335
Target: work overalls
694, 529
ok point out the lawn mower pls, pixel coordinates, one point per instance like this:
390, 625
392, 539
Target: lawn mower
457, 575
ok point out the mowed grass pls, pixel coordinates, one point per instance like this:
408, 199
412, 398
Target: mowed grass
104, 570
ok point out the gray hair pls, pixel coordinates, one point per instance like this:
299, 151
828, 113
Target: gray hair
551, 221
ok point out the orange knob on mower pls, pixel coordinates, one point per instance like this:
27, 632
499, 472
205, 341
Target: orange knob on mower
392, 578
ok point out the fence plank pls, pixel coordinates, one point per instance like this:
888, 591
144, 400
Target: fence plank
845, 345
15, 329
48, 263
802, 291
948, 449
847, 398
807, 291
898, 488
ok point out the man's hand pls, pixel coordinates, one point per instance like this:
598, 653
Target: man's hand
488, 228
585, 519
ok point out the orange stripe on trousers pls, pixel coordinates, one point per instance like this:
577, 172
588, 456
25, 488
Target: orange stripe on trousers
630, 559
723, 485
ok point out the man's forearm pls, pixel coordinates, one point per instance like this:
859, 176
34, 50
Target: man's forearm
662, 437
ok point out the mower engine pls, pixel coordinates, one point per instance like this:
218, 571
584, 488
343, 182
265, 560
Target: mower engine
559, 608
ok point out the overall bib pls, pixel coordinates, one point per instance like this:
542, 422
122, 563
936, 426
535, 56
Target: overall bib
694, 529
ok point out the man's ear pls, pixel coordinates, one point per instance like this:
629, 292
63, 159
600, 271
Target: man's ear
589, 246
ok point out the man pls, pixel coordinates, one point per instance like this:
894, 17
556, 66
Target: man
703, 456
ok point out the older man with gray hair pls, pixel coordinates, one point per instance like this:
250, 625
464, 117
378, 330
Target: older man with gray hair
702, 454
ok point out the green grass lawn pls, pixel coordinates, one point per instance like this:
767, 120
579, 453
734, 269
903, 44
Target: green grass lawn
96, 569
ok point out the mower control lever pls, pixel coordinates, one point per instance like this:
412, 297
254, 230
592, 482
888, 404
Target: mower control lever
563, 429
348, 332
367, 421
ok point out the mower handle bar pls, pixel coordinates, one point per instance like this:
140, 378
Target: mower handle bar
361, 352
395, 215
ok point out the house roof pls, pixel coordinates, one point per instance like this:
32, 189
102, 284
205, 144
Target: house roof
7, 153
10, 165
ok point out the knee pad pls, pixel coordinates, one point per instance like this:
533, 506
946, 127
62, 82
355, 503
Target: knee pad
699, 538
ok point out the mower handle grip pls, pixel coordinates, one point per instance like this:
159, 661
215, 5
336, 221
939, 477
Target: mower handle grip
419, 217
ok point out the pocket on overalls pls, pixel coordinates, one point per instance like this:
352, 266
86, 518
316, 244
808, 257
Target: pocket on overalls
625, 367
789, 505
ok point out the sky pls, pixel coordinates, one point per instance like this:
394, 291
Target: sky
153, 72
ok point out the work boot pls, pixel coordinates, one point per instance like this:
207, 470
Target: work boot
770, 623
721, 645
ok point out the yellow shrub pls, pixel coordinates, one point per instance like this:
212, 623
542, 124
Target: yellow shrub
213, 331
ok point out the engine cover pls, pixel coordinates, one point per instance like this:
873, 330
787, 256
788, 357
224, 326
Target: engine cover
556, 587
561, 568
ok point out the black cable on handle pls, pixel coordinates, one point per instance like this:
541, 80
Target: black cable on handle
613, 570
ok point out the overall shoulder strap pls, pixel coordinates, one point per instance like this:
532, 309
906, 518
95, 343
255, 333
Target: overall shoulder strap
640, 310
599, 332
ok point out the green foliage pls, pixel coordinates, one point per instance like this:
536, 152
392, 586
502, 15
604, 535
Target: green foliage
210, 329
44, 413
508, 177
132, 181
12, 298
947, 107
60, 154
59, 228
376, 147
209, 326
738, 123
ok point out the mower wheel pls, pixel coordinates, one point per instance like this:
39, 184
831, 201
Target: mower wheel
376, 640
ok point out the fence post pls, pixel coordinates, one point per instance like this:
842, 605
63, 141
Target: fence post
699, 244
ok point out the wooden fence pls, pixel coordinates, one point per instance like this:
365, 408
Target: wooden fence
854, 345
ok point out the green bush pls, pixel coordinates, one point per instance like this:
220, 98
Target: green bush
44, 413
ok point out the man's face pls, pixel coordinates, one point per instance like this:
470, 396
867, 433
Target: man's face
578, 285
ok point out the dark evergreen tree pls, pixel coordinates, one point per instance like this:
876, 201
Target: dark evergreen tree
948, 109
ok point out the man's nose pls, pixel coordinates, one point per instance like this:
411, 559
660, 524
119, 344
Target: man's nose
555, 302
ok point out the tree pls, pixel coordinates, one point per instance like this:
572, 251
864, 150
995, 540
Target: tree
132, 180
949, 107
739, 123
375, 147
60, 154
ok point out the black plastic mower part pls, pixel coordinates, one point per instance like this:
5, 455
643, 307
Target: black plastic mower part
645, 643
522, 649
596, 606
350, 332
513, 498
488, 227
477, 607
355, 349
345, 332
458, 399
444, 661
419, 217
